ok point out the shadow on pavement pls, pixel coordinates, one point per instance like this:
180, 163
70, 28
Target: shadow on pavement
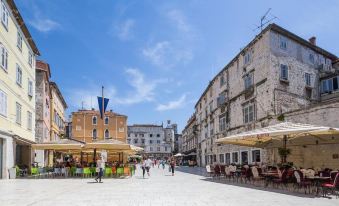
202, 172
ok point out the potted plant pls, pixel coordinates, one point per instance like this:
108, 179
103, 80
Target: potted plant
283, 153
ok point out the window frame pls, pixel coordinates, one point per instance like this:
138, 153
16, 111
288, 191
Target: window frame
18, 113
18, 75
106, 118
308, 79
248, 80
106, 130
284, 67
232, 158
3, 57
29, 120
30, 88
96, 120
3, 103
260, 155
4, 15
283, 43
96, 133
19, 40
246, 115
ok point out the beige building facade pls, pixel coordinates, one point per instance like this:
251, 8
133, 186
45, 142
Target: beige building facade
87, 126
17, 90
277, 75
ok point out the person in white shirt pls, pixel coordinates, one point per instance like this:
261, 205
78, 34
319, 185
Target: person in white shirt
148, 164
100, 168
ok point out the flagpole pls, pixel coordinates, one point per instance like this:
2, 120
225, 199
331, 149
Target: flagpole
103, 112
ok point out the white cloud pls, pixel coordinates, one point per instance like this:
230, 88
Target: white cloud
175, 104
44, 25
143, 90
125, 29
179, 20
164, 55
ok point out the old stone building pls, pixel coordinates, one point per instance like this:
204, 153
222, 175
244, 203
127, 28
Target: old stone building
42, 97
278, 76
87, 126
157, 141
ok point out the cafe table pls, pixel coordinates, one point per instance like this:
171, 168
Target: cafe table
317, 181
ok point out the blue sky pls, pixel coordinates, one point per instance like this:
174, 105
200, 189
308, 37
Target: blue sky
155, 58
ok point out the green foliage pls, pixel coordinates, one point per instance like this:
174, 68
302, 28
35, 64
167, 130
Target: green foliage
281, 117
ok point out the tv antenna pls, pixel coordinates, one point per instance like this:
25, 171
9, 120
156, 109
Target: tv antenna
265, 19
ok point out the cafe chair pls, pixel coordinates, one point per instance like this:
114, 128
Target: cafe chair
301, 182
331, 187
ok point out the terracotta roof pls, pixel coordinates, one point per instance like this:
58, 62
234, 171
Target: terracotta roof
54, 85
22, 26
43, 66
82, 111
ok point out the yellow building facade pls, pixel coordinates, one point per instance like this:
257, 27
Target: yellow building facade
17, 92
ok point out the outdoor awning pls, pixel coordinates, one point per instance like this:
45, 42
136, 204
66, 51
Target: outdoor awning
108, 144
264, 136
62, 144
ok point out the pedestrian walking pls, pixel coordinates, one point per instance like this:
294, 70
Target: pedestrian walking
172, 165
163, 164
148, 165
100, 168
143, 167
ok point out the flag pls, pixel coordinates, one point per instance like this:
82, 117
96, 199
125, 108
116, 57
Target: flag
100, 105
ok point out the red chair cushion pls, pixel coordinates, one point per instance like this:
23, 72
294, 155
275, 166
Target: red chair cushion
327, 185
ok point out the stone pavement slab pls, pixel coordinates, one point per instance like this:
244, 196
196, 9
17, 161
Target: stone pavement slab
187, 187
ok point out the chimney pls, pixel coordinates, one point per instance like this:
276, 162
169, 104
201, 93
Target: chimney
313, 40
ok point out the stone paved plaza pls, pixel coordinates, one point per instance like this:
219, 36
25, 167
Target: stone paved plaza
185, 188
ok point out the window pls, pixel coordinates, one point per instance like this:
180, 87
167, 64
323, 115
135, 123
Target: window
244, 157
29, 120
222, 123
248, 80
151, 141
256, 156
235, 157
158, 141
3, 103
94, 120
150, 135
283, 43
151, 149
308, 79
135, 141
18, 113
78, 128
228, 158
311, 58
247, 58
129, 141
221, 158
135, 135
106, 134
30, 88
330, 85
94, 133
211, 128
165, 149
30, 59
4, 15
3, 57
248, 111
222, 80
121, 129
158, 135
18, 75
19, 40
158, 149
283, 72
142, 141
106, 120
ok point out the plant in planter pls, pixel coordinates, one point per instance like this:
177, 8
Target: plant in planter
283, 153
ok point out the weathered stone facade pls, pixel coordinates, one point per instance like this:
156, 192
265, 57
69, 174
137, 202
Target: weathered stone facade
189, 138
276, 76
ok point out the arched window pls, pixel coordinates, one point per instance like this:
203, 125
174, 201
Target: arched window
94, 133
94, 120
106, 120
106, 134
